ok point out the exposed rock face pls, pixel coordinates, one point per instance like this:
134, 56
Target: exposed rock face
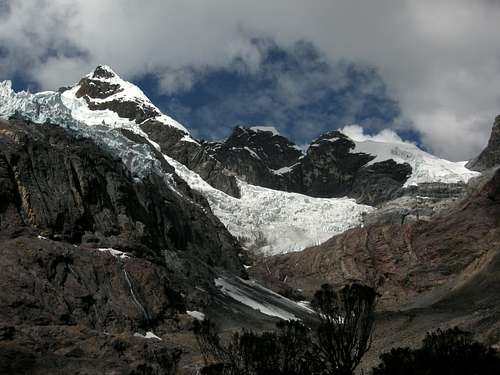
75, 310
70, 189
406, 262
416, 203
379, 182
193, 156
274, 150
490, 156
328, 169
257, 156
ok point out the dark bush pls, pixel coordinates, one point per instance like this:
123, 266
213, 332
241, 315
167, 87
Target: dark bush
347, 319
443, 352
287, 351
336, 347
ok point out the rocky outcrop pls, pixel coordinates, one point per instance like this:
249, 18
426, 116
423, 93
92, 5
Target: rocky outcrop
415, 203
380, 182
490, 156
257, 156
328, 169
192, 155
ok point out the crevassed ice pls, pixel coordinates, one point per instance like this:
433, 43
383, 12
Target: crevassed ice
275, 222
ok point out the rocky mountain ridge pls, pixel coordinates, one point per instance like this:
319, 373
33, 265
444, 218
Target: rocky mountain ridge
332, 166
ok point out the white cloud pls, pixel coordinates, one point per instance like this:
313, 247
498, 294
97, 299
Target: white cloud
357, 133
172, 81
61, 71
440, 58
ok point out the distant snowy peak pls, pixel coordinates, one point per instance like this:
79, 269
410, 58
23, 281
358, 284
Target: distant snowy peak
426, 168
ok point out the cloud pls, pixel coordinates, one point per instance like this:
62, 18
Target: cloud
357, 133
439, 58
295, 90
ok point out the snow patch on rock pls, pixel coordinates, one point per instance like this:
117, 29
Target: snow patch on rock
248, 292
270, 129
115, 253
148, 335
196, 315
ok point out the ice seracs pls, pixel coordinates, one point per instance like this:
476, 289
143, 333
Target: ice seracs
273, 221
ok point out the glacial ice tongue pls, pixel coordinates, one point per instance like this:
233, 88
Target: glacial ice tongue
51, 107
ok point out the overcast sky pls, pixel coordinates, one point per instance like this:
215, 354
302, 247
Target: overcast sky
438, 60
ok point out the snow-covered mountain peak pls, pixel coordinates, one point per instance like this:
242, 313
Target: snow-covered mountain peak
426, 167
104, 95
104, 84
103, 72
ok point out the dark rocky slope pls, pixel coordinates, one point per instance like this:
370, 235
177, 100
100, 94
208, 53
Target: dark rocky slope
490, 156
66, 307
67, 310
68, 188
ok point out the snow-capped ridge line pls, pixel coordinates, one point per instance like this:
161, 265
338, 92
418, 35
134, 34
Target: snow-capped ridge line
268, 129
426, 168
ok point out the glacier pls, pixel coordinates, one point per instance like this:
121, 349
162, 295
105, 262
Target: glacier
275, 222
